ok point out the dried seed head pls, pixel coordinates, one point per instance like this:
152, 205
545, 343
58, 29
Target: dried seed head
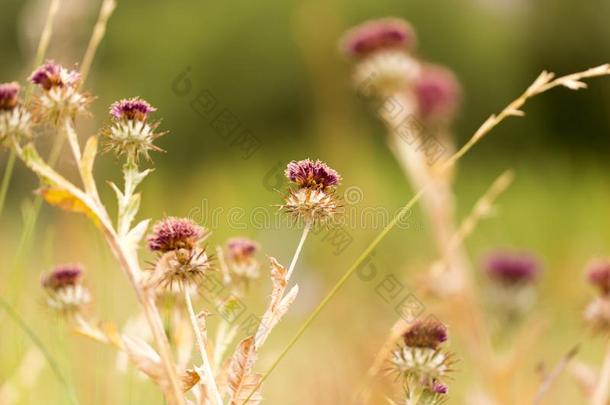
65, 291
428, 333
60, 97
597, 314
130, 134
131, 109
15, 121
598, 274
51, 75
438, 94
175, 233
181, 267
375, 35
386, 73
512, 269
8, 95
314, 206
310, 174
241, 258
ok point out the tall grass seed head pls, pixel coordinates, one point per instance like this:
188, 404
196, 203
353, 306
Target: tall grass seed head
174, 233
438, 94
65, 292
130, 133
15, 121
60, 96
376, 35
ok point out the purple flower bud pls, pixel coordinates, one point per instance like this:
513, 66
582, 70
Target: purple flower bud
309, 174
175, 233
8, 95
63, 276
241, 249
52, 75
375, 35
598, 274
427, 333
438, 93
439, 388
131, 109
512, 269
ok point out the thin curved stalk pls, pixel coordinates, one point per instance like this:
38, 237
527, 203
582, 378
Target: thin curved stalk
600, 395
207, 368
297, 253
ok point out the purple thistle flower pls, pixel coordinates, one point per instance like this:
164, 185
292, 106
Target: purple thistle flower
52, 75
175, 233
131, 109
8, 95
512, 269
375, 35
427, 333
598, 274
438, 93
241, 248
63, 276
309, 174
439, 388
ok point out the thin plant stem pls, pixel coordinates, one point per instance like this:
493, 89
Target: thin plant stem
297, 253
43, 349
543, 83
99, 31
6, 178
600, 394
550, 379
207, 368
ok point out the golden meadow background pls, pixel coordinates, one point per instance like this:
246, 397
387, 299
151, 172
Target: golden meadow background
274, 65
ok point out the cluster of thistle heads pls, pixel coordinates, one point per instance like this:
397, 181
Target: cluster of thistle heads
385, 54
422, 363
59, 98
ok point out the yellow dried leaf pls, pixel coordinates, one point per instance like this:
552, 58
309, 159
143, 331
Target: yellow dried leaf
67, 201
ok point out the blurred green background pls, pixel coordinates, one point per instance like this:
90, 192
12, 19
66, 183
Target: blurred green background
275, 67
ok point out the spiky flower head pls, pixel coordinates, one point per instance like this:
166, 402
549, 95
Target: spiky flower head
241, 258
15, 121
60, 97
312, 174
386, 73
8, 95
428, 333
512, 269
130, 134
598, 274
181, 268
174, 233
438, 94
64, 288
376, 35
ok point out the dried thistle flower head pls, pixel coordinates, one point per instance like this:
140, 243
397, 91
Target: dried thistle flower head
598, 274
375, 35
240, 258
66, 293
8, 95
180, 267
174, 233
386, 73
512, 269
130, 134
421, 361
438, 94
428, 333
310, 174
60, 96
314, 200
15, 121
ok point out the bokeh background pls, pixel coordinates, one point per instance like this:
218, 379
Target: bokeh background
275, 67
